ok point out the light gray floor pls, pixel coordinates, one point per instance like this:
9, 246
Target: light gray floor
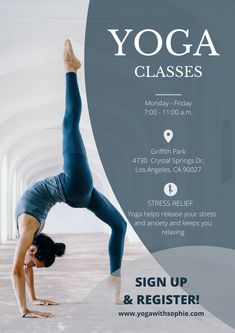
79, 281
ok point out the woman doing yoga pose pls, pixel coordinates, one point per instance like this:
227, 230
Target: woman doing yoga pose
74, 186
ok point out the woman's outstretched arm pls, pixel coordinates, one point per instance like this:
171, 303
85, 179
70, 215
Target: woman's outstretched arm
29, 278
27, 229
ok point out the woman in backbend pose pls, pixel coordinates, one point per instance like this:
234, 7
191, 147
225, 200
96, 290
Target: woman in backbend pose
73, 186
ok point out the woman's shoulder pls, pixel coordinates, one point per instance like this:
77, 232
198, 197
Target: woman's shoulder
27, 223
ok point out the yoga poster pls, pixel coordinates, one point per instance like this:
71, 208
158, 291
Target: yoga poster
117, 166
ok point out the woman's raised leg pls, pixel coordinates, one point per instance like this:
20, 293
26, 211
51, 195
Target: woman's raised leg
72, 140
78, 182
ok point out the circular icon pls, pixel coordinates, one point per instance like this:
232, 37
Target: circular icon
170, 189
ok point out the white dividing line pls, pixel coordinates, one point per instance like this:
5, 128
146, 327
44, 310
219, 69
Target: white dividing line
168, 94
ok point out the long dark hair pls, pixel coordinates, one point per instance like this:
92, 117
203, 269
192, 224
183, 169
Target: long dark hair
47, 249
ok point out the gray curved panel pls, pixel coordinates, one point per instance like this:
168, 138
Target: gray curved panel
200, 113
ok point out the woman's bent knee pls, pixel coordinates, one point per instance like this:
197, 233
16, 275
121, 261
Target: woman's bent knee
123, 227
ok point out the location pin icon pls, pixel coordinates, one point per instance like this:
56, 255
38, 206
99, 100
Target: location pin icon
168, 135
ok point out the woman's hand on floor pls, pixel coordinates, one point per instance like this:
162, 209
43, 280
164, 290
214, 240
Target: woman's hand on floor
37, 314
39, 301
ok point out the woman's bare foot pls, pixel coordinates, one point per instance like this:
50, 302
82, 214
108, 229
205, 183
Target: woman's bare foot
115, 288
71, 63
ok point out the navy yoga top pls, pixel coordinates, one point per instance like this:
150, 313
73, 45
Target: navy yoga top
38, 199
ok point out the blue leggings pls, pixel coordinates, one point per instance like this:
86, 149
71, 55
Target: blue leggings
77, 181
